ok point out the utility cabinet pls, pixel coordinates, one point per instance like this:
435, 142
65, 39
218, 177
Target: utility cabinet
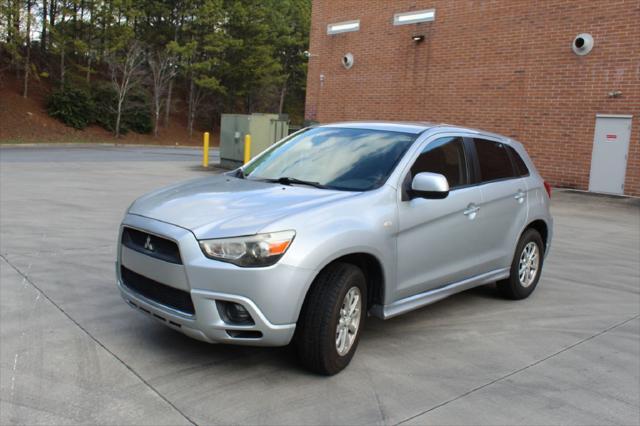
265, 130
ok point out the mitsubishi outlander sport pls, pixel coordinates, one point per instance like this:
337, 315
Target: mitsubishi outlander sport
330, 225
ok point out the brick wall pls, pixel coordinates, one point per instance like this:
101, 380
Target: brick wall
504, 66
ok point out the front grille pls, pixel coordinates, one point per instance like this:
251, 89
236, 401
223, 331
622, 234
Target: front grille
151, 245
158, 292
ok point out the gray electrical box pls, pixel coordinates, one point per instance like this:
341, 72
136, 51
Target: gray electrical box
265, 130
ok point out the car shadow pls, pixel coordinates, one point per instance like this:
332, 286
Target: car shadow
172, 345
195, 354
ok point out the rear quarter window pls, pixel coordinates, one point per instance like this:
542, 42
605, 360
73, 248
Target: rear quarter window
518, 162
494, 160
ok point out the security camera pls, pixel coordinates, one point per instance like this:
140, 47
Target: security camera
582, 44
347, 61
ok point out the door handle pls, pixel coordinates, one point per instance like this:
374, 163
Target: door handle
519, 195
471, 210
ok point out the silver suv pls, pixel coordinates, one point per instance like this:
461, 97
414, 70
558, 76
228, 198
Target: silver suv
331, 224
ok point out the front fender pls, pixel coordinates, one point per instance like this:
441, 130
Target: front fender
345, 251
361, 224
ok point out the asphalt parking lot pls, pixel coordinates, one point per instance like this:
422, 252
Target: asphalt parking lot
72, 352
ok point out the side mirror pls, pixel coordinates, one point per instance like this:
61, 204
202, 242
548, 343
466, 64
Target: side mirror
429, 185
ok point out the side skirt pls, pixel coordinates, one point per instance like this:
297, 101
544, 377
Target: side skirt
431, 296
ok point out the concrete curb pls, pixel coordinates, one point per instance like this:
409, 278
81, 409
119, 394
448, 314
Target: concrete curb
596, 194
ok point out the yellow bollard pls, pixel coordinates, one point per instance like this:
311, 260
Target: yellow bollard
205, 149
247, 148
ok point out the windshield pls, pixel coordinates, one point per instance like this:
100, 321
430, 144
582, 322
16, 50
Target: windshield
336, 158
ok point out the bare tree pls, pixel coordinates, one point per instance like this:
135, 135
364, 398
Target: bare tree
179, 21
283, 94
167, 106
197, 94
43, 31
27, 59
14, 39
126, 73
58, 37
163, 70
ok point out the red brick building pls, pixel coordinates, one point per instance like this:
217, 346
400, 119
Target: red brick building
507, 66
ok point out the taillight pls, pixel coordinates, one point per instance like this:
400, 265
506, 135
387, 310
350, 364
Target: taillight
547, 187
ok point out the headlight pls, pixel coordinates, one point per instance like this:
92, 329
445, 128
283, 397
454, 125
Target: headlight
250, 251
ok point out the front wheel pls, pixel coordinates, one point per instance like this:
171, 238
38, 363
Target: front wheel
525, 268
328, 330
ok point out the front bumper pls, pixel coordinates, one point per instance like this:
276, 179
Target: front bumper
207, 325
273, 295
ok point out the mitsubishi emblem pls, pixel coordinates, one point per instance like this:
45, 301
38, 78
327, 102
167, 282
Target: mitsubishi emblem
147, 244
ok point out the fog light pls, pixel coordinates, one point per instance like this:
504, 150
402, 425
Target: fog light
234, 313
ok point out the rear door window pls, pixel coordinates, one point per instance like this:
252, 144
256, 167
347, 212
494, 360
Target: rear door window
494, 161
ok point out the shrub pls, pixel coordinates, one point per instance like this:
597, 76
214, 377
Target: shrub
72, 106
105, 100
136, 116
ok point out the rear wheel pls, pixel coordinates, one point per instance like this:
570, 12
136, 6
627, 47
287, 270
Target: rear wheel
525, 267
328, 330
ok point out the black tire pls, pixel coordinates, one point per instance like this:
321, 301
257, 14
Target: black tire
316, 329
512, 288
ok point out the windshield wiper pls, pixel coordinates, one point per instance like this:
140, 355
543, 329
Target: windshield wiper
285, 180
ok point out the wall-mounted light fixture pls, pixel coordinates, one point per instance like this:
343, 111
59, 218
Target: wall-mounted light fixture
414, 17
417, 38
343, 27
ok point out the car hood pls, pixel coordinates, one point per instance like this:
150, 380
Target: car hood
224, 206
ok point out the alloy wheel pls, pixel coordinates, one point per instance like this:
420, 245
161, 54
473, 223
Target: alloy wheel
349, 321
529, 264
